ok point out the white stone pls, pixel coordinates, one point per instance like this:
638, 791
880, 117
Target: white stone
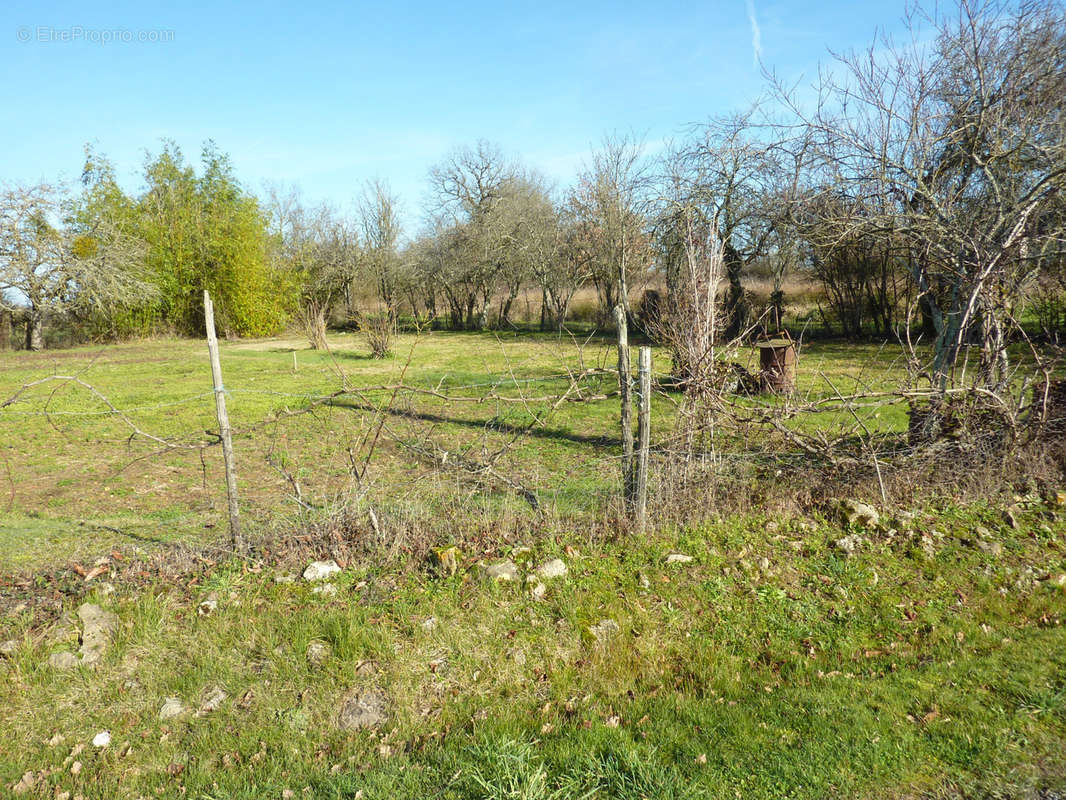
502, 571
319, 570
604, 629
99, 628
102, 739
556, 568
208, 605
213, 700
62, 660
849, 544
857, 513
171, 708
678, 558
318, 653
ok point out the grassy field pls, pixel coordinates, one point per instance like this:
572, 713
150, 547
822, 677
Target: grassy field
794, 656
772, 665
74, 483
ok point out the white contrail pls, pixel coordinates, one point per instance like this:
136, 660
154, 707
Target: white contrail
756, 34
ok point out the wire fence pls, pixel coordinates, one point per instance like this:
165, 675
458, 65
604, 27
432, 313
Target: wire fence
493, 443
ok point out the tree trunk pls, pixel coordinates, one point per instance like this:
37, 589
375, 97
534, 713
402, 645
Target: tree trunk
34, 330
5, 330
736, 304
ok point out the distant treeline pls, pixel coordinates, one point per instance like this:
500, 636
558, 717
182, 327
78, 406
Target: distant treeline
921, 191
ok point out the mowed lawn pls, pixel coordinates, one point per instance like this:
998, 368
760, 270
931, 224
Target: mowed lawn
76, 479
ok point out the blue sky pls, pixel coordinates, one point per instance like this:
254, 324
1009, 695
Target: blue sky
326, 96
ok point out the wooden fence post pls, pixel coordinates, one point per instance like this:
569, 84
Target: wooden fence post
625, 388
223, 426
643, 434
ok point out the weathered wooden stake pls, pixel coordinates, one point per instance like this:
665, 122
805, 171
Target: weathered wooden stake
223, 425
643, 434
625, 388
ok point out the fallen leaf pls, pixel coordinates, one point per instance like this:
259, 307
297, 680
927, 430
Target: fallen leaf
96, 572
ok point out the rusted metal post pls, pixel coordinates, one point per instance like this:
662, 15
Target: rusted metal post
777, 363
223, 426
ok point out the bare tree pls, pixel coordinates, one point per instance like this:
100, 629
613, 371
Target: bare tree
51, 264
485, 212
563, 263
608, 202
734, 173
380, 222
320, 248
957, 148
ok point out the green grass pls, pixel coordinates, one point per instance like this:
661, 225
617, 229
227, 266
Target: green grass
928, 664
74, 483
771, 666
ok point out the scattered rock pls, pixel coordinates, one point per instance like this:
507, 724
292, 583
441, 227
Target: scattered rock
99, 627
643, 582
284, 579
102, 739
502, 571
678, 558
325, 589
538, 590
849, 544
318, 653
1011, 519
171, 708
445, 561
362, 709
556, 568
8, 648
213, 700
208, 605
429, 624
62, 660
320, 570
25, 783
854, 512
604, 630
992, 548
518, 655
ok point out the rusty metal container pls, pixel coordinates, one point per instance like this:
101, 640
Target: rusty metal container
777, 365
